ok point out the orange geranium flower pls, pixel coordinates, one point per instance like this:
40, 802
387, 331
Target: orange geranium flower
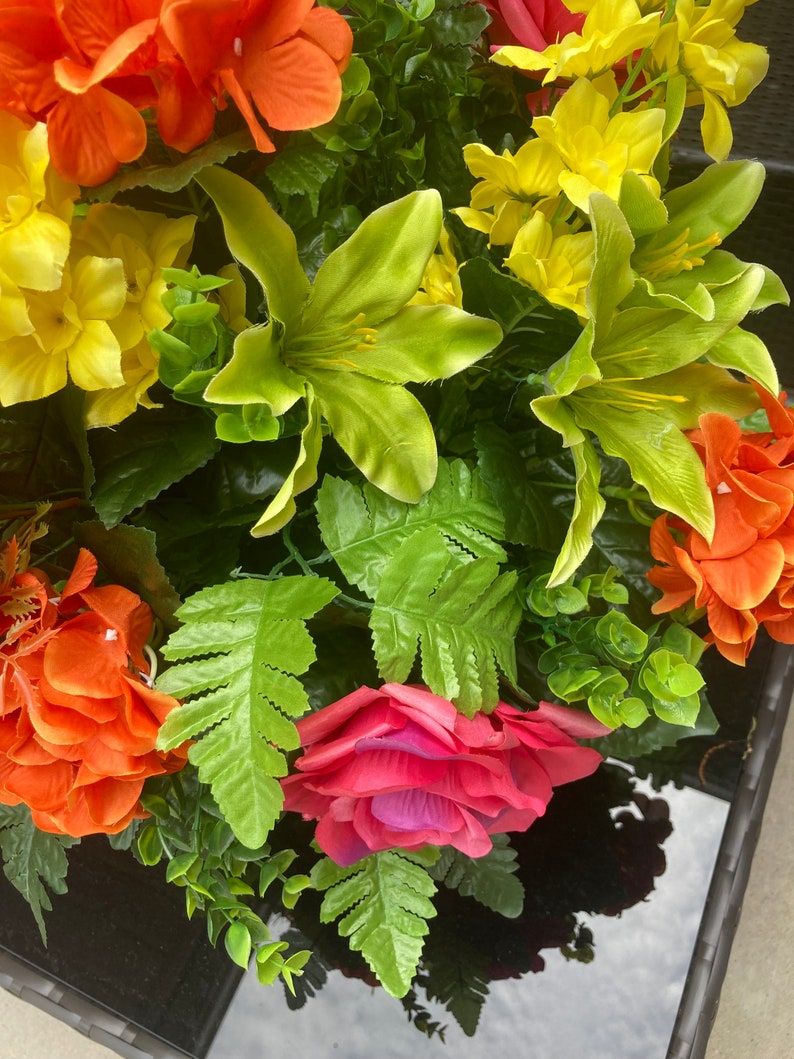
89, 70
78, 717
285, 56
744, 578
84, 72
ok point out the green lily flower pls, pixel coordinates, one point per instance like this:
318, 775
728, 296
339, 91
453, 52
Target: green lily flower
346, 344
676, 256
635, 380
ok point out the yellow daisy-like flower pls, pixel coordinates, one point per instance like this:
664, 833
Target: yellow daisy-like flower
71, 335
554, 261
596, 150
143, 243
513, 186
721, 71
34, 221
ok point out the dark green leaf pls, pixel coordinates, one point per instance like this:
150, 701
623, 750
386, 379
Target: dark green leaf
32, 859
128, 555
145, 454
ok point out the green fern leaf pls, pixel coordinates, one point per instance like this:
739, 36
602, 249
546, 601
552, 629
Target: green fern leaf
240, 649
385, 901
465, 620
33, 858
363, 527
489, 879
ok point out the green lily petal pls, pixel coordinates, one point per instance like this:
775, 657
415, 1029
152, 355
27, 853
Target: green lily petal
587, 511
260, 240
743, 351
648, 295
422, 343
256, 372
658, 454
379, 268
612, 277
716, 201
647, 342
383, 429
643, 424
577, 368
302, 476
644, 211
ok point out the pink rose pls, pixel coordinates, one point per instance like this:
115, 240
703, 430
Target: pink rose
399, 767
531, 23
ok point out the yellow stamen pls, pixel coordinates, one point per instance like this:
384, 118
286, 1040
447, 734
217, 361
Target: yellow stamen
674, 257
335, 347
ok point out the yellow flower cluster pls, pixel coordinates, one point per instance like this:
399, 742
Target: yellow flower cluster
78, 291
694, 39
621, 85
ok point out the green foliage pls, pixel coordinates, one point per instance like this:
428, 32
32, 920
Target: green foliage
489, 879
221, 876
463, 618
43, 449
529, 516
198, 342
624, 673
33, 859
385, 903
239, 651
168, 177
142, 456
128, 556
362, 527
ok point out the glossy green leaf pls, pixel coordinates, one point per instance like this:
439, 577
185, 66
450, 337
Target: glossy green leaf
128, 556
33, 860
528, 515
142, 456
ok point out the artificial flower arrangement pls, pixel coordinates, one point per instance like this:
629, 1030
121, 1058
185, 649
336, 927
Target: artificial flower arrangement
377, 421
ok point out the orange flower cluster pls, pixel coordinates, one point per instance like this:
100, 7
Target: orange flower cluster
745, 578
90, 69
78, 720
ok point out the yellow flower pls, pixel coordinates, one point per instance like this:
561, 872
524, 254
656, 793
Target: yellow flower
70, 333
613, 30
143, 243
512, 185
700, 42
34, 221
597, 150
554, 261
440, 284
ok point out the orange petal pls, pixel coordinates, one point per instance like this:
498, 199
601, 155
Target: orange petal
295, 86
745, 580
331, 32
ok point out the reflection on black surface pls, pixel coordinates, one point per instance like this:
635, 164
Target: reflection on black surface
582, 856
121, 938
